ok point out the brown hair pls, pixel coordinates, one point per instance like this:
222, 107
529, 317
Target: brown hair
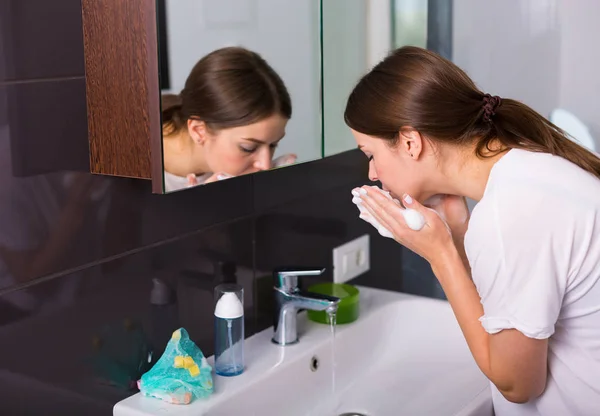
416, 88
229, 87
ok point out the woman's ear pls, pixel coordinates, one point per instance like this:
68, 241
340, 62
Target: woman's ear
198, 131
410, 143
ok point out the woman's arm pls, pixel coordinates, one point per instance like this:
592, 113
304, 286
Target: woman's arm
516, 364
459, 243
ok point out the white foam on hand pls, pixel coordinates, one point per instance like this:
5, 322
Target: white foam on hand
366, 216
414, 219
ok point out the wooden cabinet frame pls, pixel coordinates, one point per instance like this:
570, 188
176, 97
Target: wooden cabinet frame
123, 90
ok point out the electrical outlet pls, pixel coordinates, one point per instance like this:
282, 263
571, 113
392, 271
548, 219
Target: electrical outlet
351, 259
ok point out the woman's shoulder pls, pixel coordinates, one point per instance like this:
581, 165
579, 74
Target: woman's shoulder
541, 181
535, 207
536, 192
524, 165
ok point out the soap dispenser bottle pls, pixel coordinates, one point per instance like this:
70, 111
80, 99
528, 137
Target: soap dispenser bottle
229, 330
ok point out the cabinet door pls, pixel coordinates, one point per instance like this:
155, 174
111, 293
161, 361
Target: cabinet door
122, 86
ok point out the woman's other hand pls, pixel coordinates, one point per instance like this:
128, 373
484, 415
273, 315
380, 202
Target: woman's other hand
454, 211
215, 177
192, 180
284, 160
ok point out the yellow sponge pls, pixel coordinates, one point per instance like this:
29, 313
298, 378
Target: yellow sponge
178, 362
176, 335
194, 371
188, 362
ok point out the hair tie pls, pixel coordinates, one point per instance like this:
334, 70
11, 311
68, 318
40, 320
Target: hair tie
490, 105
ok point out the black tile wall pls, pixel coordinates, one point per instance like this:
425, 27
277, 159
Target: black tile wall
274, 188
80, 254
42, 114
41, 39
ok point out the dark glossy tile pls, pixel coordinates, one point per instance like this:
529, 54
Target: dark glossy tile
3, 105
40, 39
63, 348
53, 223
174, 214
281, 186
418, 278
46, 126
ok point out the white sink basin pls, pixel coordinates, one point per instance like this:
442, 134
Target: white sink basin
404, 356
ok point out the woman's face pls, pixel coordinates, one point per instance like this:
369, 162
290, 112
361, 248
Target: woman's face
408, 167
241, 150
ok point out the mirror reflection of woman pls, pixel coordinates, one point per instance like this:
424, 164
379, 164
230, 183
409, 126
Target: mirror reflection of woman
227, 121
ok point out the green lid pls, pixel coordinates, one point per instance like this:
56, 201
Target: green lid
348, 308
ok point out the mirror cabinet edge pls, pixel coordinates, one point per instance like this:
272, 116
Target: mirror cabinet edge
122, 89
154, 99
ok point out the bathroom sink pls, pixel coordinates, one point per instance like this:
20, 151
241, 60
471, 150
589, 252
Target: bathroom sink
404, 355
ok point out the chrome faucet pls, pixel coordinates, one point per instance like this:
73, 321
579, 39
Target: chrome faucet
289, 299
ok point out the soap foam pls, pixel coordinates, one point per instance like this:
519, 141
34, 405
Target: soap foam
413, 218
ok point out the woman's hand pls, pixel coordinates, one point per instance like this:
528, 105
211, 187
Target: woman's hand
284, 160
215, 177
432, 242
455, 212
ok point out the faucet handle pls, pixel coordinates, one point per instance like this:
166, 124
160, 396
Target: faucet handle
287, 278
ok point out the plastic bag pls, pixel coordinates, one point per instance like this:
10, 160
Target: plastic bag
181, 374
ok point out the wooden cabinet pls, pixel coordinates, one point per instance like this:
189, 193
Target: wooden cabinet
122, 87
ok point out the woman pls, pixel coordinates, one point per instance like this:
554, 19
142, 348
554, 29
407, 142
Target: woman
226, 122
522, 273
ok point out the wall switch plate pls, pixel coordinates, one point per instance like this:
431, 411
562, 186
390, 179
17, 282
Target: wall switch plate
351, 259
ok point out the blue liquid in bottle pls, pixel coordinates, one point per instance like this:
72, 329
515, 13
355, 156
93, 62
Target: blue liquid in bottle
229, 346
229, 335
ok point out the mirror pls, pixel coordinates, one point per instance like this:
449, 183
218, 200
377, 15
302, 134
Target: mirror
240, 87
356, 35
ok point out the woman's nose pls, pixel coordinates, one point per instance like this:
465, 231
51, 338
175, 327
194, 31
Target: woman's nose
263, 161
372, 172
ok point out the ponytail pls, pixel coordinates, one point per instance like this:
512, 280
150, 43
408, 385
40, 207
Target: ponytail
518, 126
172, 119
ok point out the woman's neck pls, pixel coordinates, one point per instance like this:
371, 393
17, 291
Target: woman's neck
468, 176
181, 155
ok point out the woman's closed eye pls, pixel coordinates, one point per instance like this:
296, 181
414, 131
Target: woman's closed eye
252, 149
248, 149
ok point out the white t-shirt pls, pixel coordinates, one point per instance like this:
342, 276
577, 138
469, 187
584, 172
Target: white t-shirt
533, 244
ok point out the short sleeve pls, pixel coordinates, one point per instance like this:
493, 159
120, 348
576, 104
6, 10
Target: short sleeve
517, 266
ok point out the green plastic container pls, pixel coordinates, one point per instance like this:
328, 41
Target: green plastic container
348, 308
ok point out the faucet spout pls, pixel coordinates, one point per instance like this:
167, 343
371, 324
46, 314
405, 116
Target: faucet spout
309, 301
289, 299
